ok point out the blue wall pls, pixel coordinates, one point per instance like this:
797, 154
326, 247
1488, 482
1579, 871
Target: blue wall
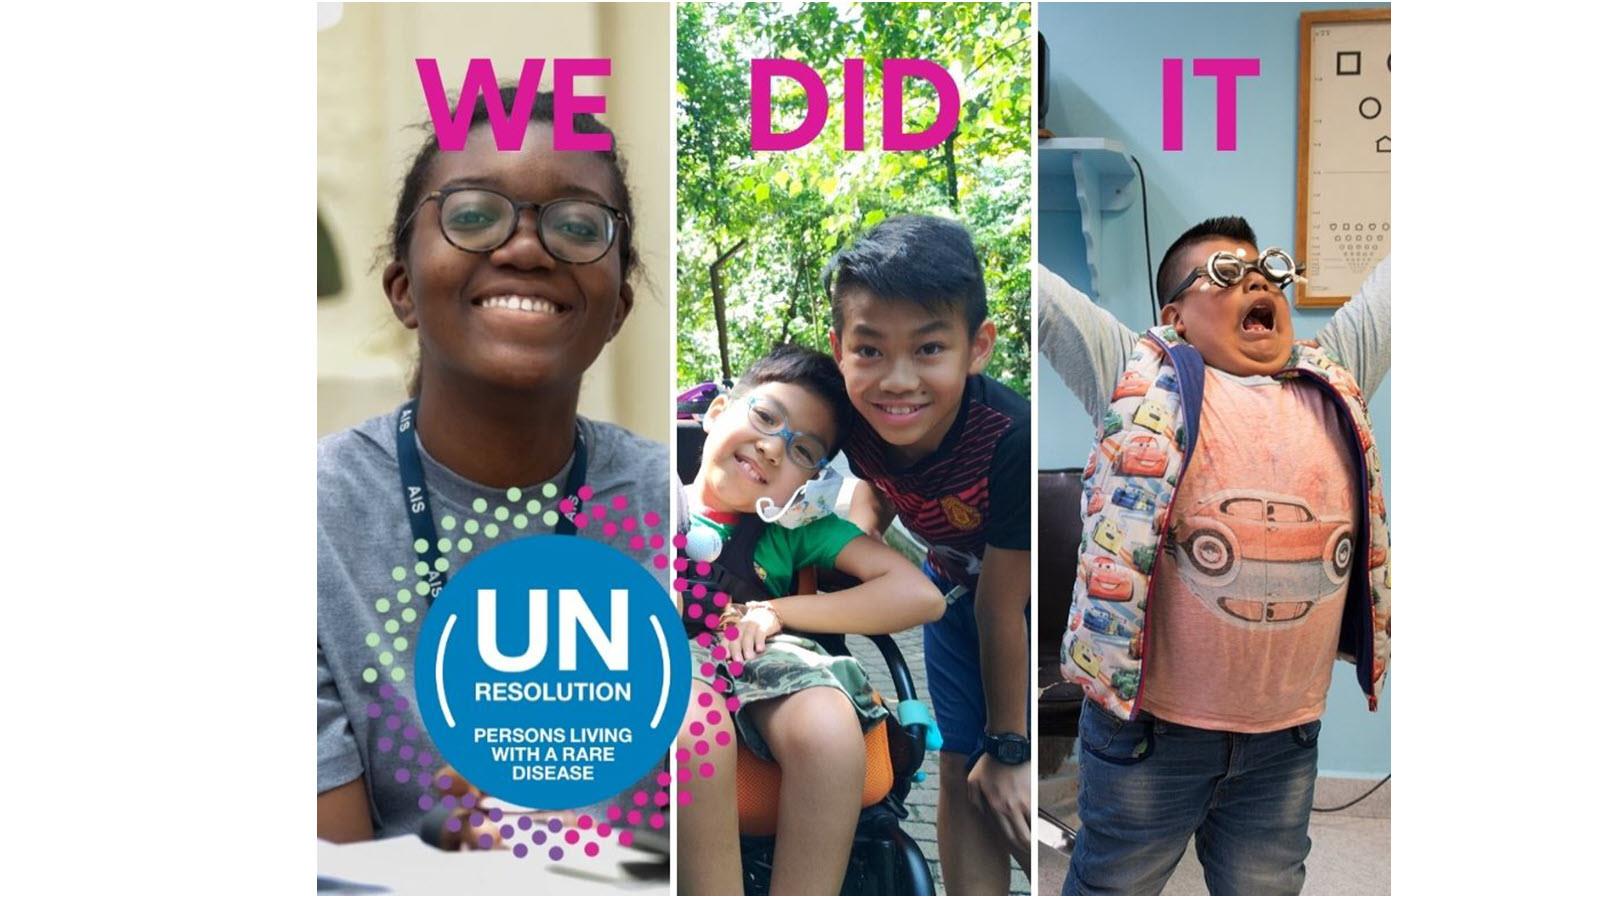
1105, 81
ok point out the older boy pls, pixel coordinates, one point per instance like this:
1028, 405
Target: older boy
948, 449
1235, 542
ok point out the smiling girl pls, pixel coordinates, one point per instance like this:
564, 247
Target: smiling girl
513, 267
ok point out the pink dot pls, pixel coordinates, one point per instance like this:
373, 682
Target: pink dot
685, 797
637, 543
698, 591
610, 530
603, 830
697, 728
736, 668
683, 754
619, 502
703, 639
702, 568
720, 599
599, 512
661, 798
722, 738
678, 540
639, 798
566, 506
680, 584
695, 611
708, 669
660, 561
720, 686
684, 775
591, 849
625, 838
657, 820
731, 632
707, 770
613, 812
663, 779
713, 717
701, 748
586, 492
630, 523
713, 619
572, 836
733, 704
652, 519
581, 520
717, 653
585, 821
705, 700
680, 564
656, 541
635, 817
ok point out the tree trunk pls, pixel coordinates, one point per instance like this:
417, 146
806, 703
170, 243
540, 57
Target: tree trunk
719, 306
951, 186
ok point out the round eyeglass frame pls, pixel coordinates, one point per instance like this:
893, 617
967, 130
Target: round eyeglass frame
617, 215
1210, 271
789, 437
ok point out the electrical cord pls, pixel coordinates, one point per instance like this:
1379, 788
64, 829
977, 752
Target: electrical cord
1149, 270
1369, 793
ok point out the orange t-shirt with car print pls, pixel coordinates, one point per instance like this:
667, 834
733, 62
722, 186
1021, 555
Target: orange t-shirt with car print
1247, 598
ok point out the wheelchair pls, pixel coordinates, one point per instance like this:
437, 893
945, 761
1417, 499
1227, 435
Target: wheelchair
884, 860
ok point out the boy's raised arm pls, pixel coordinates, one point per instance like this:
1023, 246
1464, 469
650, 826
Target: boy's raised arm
1085, 344
1359, 332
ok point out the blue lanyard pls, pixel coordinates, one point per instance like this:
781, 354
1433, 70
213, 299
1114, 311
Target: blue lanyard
414, 487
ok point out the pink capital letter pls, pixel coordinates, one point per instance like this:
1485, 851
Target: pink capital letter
762, 71
1172, 104
855, 114
1227, 72
895, 71
452, 126
569, 104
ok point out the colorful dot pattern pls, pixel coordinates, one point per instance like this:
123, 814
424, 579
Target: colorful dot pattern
706, 725
517, 511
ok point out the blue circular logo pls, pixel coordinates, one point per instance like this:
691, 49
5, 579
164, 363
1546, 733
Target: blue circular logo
552, 672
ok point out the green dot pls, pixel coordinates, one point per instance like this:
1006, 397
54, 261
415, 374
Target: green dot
471, 526
449, 523
514, 494
464, 545
401, 644
501, 513
550, 518
383, 604
385, 658
369, 675
445, 544
479, 505
442, 564
422, 589
372, 639
420, 545
549, 490
397, 673
491, 530
421, 568
520, 520
408, 614
534, 506
403, 595
399, 573
391, 626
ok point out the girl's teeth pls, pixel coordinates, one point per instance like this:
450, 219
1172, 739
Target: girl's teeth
524, 304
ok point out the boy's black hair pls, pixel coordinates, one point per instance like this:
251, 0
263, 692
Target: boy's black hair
544, 107
926, 260
807, 369
1232, 227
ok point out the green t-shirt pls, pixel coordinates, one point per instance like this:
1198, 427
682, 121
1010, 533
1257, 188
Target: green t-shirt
780, 552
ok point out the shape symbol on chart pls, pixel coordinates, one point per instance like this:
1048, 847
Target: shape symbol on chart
1348, 62
1383, 144
1360, 250
1370, 107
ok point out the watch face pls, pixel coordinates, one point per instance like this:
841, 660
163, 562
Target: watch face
1011, 749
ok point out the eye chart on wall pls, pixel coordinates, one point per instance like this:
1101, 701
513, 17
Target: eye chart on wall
1344, 151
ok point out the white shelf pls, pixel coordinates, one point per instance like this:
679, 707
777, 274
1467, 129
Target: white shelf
1089, 176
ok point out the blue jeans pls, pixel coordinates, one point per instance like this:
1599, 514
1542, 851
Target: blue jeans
1147, 786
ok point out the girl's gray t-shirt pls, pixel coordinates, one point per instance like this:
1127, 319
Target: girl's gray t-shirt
367, 621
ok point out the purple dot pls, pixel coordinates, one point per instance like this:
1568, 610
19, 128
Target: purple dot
425, 801
452, 823
506, 831
410, 732
444, 782
519, 851
476, 818
591, 849
539, 837
385, 744
386, 691
524, 823
449, 800
401, 704
485, 841
374, 710
469, 799
425, 779
392, 723
402, 775
554, 824
556, 853
496, 814
425, 759
407, 752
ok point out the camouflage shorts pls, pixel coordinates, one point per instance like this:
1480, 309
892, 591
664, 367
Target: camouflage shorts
789, 665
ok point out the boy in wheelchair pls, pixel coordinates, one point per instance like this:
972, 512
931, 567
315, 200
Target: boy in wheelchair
760, 504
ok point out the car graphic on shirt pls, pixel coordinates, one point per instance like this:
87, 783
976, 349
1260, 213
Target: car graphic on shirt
1131, 384
1080, 653
1106, 579
1097, 502
1142, 455
1154, 416
1136, 500
1108, 535
1262, 557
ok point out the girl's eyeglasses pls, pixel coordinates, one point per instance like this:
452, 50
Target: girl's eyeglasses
1226, 270
479, 220
770, 418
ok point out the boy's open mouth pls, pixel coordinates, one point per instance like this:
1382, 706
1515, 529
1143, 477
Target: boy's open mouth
749, 468
522, 303
1260, 318
900, 410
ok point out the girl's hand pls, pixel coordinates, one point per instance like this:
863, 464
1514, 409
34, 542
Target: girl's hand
760, 622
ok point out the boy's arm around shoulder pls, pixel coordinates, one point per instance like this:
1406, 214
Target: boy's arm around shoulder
893, 595
1084, 343
1359, 332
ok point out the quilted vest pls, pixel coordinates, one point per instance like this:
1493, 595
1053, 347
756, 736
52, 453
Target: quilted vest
1141, 451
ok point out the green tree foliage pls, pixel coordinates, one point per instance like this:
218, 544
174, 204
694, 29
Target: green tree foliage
758, 228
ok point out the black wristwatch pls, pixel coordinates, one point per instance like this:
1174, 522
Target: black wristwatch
1011, 749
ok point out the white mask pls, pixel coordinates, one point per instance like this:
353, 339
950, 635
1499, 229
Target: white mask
811, 501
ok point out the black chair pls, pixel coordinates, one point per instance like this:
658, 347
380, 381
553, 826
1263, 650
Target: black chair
1060, 531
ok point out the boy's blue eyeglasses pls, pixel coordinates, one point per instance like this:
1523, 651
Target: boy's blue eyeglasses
770, 418
479, 220
1226, 270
